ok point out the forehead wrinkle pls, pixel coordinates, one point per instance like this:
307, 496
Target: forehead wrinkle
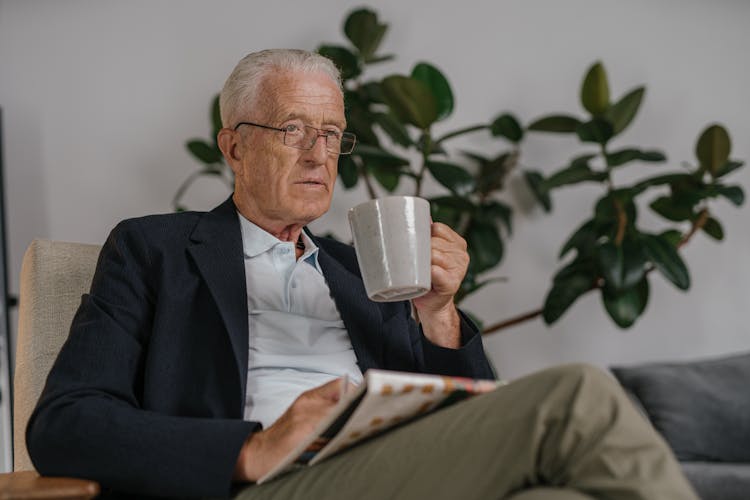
309, 120
284, 100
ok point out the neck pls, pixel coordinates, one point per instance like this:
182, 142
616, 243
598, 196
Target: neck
279, 229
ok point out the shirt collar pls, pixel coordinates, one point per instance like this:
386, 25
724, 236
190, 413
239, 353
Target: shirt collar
256, 241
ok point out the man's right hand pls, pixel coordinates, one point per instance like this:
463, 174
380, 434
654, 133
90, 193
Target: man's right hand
264, 449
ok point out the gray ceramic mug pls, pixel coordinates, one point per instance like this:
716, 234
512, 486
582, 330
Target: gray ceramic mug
392, 240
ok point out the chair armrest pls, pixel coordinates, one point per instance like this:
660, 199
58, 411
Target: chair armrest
28, 485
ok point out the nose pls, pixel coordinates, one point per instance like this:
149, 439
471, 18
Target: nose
318, 153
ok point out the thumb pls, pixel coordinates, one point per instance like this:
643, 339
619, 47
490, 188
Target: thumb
330, 390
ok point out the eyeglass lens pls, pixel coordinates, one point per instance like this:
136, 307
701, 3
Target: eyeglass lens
306, 137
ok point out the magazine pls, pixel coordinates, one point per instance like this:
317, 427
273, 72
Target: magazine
382, 401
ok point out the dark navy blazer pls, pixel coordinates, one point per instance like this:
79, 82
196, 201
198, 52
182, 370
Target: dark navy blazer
147, 394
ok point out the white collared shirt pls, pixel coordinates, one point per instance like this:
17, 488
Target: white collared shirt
297, 339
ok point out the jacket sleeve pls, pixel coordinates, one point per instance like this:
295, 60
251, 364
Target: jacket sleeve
89, 421
469, 360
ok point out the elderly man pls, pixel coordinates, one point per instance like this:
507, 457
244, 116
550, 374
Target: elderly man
212, 343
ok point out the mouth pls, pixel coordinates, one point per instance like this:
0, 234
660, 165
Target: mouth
313, 183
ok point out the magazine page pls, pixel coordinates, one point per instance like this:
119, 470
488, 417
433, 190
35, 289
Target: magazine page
392, 398
308, 448
383, 400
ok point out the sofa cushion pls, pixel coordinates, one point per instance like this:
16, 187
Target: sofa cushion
701, 408
719, 481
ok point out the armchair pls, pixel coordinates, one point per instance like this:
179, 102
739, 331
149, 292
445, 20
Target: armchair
54, 275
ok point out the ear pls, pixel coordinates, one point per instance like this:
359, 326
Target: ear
229, 143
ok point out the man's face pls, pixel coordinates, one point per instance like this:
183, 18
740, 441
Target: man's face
276, 185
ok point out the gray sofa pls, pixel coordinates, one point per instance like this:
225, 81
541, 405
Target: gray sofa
702, 409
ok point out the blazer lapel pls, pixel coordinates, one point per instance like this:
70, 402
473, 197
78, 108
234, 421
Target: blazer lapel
217, 250
361, 316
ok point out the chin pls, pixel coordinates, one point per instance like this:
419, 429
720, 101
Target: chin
312, 211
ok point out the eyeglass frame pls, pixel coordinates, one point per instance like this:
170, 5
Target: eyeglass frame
321, 133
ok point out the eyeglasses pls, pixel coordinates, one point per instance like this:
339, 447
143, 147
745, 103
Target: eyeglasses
301, 136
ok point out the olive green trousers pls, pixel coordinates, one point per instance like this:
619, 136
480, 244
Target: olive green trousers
568, 432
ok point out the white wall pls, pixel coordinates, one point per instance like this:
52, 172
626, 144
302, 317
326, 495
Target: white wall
99, 98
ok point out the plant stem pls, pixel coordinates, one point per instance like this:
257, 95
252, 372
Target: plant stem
697, 225
622, 221
368, 182
513, 321
426, 148
607, 168
461, 131
183, 187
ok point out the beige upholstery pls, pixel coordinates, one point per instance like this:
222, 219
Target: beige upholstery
54, 275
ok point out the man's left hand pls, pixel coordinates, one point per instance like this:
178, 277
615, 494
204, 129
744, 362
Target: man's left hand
437, 313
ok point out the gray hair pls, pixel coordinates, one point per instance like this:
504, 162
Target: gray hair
241, 88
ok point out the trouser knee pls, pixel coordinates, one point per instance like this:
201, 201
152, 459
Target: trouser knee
579, 388
577, 373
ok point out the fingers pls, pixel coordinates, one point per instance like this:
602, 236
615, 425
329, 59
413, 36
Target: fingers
448, 252
443, 233
330, 391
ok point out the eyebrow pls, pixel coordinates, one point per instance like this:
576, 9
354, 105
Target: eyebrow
297, 116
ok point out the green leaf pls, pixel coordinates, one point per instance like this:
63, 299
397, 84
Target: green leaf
659, 181
597, 130
566, 288
485, 246
492, 173
573, 175
359, 121
507, 126
606, 208
380, 59
624, 156
666, 259
713, 148
205, 152
426, 145
673, 236
580, 265
343, 58
470, 286
452, 176
386, 177
582, 160
583, 239
458, 203
496, 210
372, 92
595, 90
563, 124
438, 85
394, 128
625, 306
670, 210
449, 209
410, 100
348, 172
713, 228
728, 167
735, 194
691, 190
364, 31
623, 111
622, 266
373, 155
476, 157
535, 180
